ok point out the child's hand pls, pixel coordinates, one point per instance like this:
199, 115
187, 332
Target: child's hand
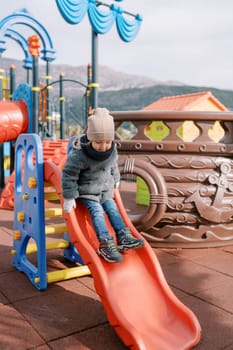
69, 204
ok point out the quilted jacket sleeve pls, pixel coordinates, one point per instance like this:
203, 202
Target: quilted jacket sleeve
115, 171
70, 176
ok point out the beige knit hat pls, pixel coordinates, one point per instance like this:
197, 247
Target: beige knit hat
100, 125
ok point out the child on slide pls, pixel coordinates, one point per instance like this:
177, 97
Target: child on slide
90, 175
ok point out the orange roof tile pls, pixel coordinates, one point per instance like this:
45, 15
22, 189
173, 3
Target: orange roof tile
184, 102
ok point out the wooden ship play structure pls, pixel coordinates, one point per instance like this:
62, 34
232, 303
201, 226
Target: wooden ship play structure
189, 184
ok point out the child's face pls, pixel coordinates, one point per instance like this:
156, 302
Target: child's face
102, 145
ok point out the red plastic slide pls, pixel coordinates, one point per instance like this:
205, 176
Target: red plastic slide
13, 120
137, 299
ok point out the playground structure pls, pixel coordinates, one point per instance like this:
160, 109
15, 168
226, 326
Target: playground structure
37, 180
139, 277
161, 320
188, 185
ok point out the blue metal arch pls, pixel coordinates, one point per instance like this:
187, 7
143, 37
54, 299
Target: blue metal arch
10, 33
23, 17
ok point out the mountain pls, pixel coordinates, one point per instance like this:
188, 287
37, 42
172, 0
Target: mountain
118, 91
137, 98
109, 79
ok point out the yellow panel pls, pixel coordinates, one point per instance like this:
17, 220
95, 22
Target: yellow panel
63, 244
50, 194
55, 228
52, 212
73, 272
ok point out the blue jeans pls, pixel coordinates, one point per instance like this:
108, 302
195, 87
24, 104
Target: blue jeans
97, 210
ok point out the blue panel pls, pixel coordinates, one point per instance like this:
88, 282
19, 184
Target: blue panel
24, 92
29, 205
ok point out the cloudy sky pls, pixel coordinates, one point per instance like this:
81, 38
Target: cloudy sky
189, 41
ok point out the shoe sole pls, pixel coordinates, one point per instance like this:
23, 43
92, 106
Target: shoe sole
106, 258
123, 247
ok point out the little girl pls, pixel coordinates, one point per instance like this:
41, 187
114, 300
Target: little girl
90, 174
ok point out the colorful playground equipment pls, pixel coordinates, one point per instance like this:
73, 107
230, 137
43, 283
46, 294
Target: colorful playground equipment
194, 207
30, 214
139, 303
38, 181
14, 121
35, 184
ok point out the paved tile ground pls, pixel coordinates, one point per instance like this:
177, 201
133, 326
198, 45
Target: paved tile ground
69, 315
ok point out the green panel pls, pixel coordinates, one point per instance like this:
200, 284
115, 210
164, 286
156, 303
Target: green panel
142, 194
157, 130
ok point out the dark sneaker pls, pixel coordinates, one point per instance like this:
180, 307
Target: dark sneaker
108, 250
125, 240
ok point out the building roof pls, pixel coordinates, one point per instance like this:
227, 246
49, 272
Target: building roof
185, 102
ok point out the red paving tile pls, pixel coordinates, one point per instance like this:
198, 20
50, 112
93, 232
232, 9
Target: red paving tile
3, 299
65, 314
217, 332
98, 338
191, 277
69, 315
16, 332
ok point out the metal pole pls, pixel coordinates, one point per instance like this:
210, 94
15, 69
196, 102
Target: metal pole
88, 106
12, 80
35, 95
47, 102
61, 106
12, 89
2, 71
34, 45
2, 178
28, 75
94, 85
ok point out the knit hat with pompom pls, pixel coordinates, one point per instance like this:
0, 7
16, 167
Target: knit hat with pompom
100, 125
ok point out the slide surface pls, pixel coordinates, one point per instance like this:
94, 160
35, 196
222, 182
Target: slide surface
13, 120
138, 302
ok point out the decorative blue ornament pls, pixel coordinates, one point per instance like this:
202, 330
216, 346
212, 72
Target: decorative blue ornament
73, 11
101, 21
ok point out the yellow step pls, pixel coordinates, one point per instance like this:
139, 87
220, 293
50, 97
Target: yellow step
73, 272
62, 244
65, 274
55, 228
53, 212
50, 194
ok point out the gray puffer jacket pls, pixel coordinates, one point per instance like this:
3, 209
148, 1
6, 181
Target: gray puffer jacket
90, 177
